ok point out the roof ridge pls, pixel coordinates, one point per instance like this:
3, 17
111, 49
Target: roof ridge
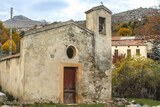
99, 7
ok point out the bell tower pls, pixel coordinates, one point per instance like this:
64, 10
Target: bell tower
98, 20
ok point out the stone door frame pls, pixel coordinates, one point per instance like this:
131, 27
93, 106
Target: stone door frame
78, 79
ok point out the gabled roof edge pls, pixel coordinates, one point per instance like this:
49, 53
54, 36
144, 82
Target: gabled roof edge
53, 26
99, 7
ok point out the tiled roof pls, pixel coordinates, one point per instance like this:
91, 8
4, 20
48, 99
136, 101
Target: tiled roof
116, 38
127, 38
127, 41
55, 25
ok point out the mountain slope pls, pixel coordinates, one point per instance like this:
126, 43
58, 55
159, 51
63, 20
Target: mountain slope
135, 14
22, 22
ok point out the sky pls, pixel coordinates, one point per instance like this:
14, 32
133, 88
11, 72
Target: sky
63, 10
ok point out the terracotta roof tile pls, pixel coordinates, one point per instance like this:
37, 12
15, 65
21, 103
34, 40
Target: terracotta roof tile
128, 43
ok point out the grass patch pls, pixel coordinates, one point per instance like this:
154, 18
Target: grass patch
60, 105
145, 101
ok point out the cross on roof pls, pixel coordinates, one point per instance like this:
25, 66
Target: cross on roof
101, 3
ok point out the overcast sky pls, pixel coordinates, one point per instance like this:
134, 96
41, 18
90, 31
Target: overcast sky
63, 10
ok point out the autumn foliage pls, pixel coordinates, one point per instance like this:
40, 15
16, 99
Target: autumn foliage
145, 27
125, 32
6, 46
4, 39
151, 26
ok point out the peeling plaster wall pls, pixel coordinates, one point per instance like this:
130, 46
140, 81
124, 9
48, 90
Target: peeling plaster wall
43, 54
36, 76
102, 49
11, 77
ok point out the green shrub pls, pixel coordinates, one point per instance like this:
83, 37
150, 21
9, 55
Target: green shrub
137, 78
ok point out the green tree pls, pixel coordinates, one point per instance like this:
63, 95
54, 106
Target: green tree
136, 77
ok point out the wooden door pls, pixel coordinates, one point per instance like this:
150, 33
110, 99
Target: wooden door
69, 96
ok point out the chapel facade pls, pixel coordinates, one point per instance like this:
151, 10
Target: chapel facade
63, 62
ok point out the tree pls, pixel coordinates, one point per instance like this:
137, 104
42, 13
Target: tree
136, 77
1, 25
151, 31
151, 26
6, 46
4, 38
3, 33
122, 29
16, 37
155, 41
125, 32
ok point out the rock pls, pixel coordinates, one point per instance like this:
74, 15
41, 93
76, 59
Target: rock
119, 104
5, 106
134, 105
2, 97
137, 105
133, 101
156, 106
121, 101
131, 105
125, 101
146, 105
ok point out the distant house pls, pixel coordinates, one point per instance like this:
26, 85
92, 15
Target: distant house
129, 46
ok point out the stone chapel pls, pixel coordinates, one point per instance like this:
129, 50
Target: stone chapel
65, 62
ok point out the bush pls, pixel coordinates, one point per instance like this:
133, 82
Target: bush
136, 77
6, 46
125, 32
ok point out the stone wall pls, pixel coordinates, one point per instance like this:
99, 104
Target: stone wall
37, 75
45, 52
43, 55
11, 76
102, 52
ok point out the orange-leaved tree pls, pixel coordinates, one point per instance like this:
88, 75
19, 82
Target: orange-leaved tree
6, 46
125, 32
151, 27
3, 33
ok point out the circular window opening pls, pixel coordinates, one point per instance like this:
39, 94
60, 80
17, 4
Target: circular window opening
71, 51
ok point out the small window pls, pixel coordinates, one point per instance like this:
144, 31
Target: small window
116, 52
102, 28
128, 52
137, 51
71, 52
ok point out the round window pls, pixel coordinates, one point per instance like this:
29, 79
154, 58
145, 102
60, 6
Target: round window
71, 52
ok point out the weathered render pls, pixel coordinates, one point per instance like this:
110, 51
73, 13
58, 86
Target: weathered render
12, 75
43, 57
